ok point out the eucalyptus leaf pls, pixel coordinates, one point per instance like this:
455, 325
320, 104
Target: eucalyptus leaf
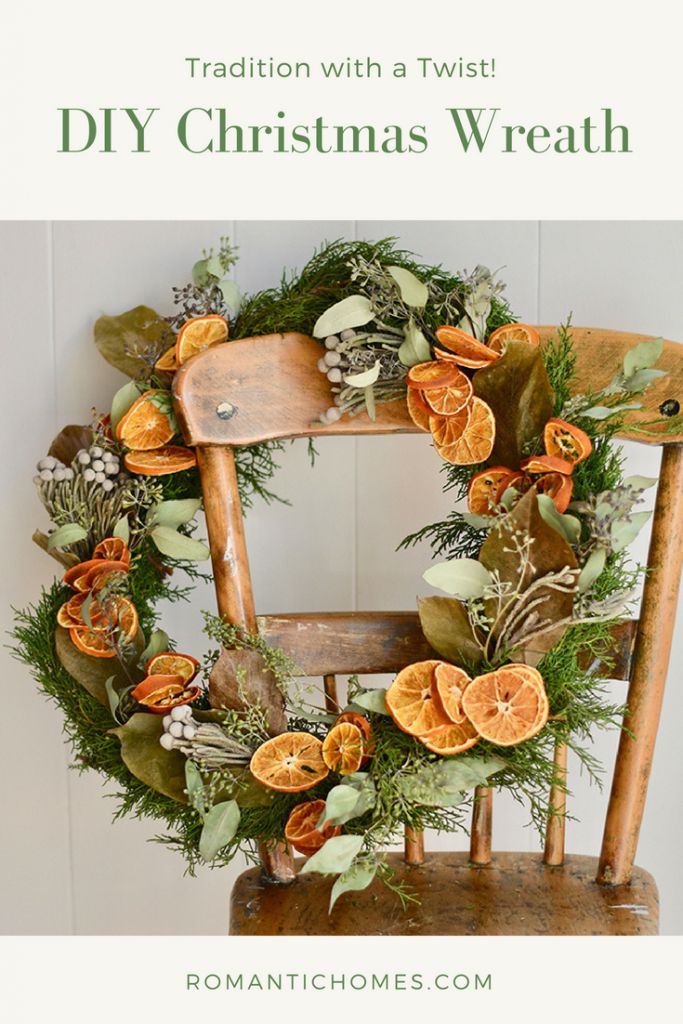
643, 356
478, 522
465, 578
626, 530
639, 483
122, 529
601, 412
70, 533
517, 389
113, 696
200, 273
85, 609
335, 857
364, 379
414, 292
232, 296
158, 644
125, 340
175, 545
220, 826
445, 783
448, 630
174, 513
372, 700
160, 769
642, 379
194, 785
353, 311
568, 526
354, 879
92, 673
339, 805
592, 568
415, 348
122, 401
214, 267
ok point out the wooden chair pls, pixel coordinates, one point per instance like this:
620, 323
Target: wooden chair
265, 388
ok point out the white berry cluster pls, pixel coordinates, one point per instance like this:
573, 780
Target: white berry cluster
334, 364
179, 728
93, 465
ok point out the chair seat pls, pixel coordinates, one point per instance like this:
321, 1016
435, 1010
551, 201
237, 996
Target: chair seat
514, 895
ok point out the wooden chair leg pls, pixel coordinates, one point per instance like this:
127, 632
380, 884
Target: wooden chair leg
482, 822
554, 834
651, 662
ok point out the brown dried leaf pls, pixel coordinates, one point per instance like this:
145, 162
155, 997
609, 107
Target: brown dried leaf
69, 442
92, 673
239, 680
518, 391
447, 628
160, 769
125, 340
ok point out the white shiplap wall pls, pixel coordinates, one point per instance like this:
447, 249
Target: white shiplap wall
65, 867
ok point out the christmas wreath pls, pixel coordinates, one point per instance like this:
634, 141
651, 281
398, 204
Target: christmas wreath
534, 573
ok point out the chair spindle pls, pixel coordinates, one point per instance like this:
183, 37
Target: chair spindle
331, 698
555, 829
414, 847
482, 821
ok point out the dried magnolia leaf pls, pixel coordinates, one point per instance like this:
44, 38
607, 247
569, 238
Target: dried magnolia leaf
517, 389
92, 673
130, 341
160, 769
69, 442
240, 680
447, 628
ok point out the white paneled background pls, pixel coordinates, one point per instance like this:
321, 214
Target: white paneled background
65, 866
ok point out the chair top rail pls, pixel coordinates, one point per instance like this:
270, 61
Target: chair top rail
266, 388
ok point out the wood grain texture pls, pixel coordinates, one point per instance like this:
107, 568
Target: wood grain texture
651, 663
516, 894
258, 389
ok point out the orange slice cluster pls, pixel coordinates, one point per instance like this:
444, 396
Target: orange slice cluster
449, 712
440, 400
196, 334
168, 682
302, 832
110, 620
146, 430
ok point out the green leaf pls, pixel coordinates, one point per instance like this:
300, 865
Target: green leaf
639, 483
214, 267
158, 644
568, 527
643, 356
626, 530
92, 673
125, 340
478, 522
446, 782
642, 379
232, 297
413, 291
364, 379
354, 311
70, 533
175, 545
601, 412
518, 391
122, 401
447, 628
174, 513
194, 785
357, 877
335, 857
465, 578
143, 755
592, 568
415, 348
113, 696
372, 700
339, 805
220, 826
122, 529
369, 396
200, 273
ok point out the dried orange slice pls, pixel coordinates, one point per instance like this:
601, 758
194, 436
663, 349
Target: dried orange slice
466, 349
96, 643
82, 576
366, 729
113, 549
463, 446
121, 626
450, 682
499, 338
70, 614
290, 762
507, 706
418, 409
170, 459
411, 699
451, 739
159, 693
147, 425
168, 362
199, 333
558, 487
301, 830
343, 748
484, 488
101, 574
546, 464
433, 374
173, 664
520, 481
450, 400
566, 441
